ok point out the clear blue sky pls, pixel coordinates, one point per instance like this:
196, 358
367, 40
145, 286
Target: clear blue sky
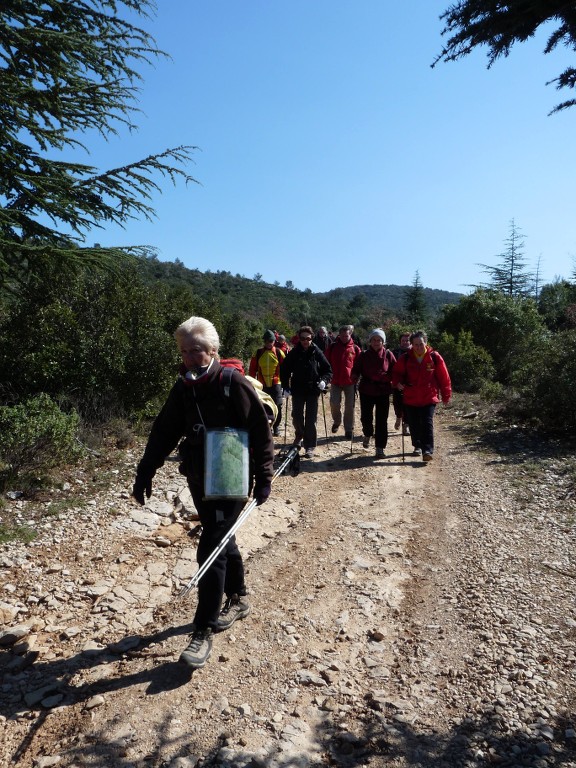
331, 154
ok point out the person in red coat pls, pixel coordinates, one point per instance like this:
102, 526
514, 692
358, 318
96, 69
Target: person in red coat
341, 355
422, 377
373, 370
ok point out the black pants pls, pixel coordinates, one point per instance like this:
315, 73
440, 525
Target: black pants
380, 406
421, 422
226, 574
398, 403
305, 423
275, 392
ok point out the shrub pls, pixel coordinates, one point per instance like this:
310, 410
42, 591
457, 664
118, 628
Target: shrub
544, 382
470, 365
36, 436
505, 326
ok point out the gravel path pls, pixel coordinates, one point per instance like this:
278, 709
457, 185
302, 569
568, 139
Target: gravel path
403, 615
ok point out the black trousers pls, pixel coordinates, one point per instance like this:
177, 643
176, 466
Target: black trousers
421, 422
275, 392
226, 574
304, 415
378, 405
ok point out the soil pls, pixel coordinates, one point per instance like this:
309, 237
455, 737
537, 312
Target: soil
403, 614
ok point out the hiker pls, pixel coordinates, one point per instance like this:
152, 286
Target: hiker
282, 344
265, 368
404, 346
196, 403
341, 355
321, 339
372, 370
422, 377
305, 374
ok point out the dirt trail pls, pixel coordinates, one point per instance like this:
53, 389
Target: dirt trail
357, 651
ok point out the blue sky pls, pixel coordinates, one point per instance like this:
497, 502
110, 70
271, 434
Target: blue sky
332, 154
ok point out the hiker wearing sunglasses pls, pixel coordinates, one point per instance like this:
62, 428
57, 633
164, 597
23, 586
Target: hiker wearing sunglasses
305, 373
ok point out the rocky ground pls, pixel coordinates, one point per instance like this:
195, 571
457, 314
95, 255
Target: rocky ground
403, 615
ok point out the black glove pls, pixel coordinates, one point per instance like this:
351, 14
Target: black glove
142, 485
261, 493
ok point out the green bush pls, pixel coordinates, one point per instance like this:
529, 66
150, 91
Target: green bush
544, 383
36, 436
470, 365
505, 326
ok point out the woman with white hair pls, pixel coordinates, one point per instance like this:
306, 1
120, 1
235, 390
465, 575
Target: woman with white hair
373, 372
197, 403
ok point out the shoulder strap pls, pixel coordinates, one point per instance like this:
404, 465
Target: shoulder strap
226, 380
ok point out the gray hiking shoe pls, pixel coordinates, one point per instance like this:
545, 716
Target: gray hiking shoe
366, 441
235, 608
197, 652
380, 453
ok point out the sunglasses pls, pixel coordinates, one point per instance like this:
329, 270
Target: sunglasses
305, 338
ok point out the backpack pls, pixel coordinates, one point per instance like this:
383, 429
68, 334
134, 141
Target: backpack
229, 365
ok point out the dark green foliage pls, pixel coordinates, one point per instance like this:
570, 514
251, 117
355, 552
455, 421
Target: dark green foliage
544, 381
506, 327
415, 303
557, 305
469, 364
68, 69
510, 275
36, 436
101, 343
286, 309
473, 23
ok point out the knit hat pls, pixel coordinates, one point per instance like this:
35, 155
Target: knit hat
378, 332
269, 336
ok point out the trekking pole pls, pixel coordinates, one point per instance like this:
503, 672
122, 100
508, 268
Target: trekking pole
285, 418
324, 414
352, 438
292, 453
402, 426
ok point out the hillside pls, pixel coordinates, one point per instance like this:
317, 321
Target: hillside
256, 298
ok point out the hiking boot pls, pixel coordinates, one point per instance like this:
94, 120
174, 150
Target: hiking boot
348, 434
416, 452
234, 608
406, 429
276, 432
366, 441
197, 652
398, 424
309, 454
380, 453
427, 457
335, 428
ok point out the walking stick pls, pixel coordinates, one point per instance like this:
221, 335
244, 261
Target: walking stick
352, 438
324, 414
402, 426
285, 418
290, 456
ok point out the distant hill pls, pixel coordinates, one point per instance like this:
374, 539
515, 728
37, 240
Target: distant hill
286, 307
392, 296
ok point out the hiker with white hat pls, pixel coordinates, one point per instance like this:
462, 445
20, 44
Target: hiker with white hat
372, 371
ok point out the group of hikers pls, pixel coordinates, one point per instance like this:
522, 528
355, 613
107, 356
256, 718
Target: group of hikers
204, 404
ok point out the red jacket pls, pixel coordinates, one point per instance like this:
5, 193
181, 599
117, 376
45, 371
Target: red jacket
423, 382
341, 357
375, 372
